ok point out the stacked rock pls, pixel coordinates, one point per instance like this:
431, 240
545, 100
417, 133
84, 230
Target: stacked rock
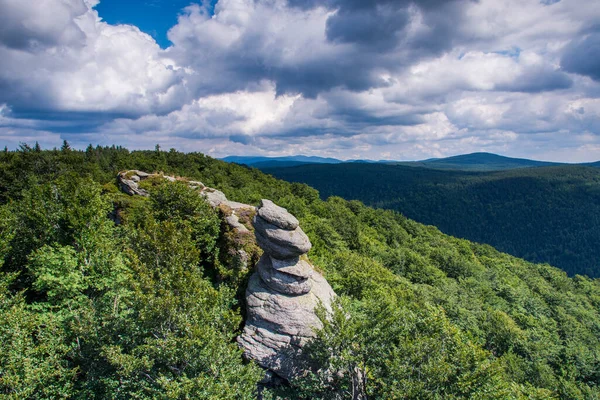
283, 242
282, 295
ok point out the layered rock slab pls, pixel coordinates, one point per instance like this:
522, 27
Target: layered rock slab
279, 326
284, 282
278, 242
282, 295
276, 215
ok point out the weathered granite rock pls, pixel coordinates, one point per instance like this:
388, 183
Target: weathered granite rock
234, 222
280, 243
235, 206
214, 197
276, 215
280, 281
278, 326
293, 266
282, 295
128, 183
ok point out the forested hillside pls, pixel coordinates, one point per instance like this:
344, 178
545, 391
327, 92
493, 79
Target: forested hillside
147, 308
478, 162
542, 214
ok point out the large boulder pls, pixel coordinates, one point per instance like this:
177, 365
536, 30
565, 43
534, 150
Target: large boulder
214, 197
282, 282
280, 243
276, 215
279, 326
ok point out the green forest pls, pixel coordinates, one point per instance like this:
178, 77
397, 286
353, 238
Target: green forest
542, 214
107, 296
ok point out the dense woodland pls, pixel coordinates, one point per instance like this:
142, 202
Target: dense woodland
146, 308
542, 214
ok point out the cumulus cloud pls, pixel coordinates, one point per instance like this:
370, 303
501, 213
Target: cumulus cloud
68, 60
26, 25
582, 56
351, 79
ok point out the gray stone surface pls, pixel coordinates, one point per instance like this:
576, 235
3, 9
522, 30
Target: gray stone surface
293, 266
214, 197
130, 186
235, 206
280, 243
281, 281
278, 326
282, 295
276, 215
234, 222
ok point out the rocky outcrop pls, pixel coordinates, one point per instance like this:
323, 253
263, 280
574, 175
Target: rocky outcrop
129, 182
238, 243
284, 290
282, 295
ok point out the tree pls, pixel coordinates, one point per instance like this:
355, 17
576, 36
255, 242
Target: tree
66, 147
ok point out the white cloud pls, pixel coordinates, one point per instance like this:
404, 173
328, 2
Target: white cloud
260, 76
84, 64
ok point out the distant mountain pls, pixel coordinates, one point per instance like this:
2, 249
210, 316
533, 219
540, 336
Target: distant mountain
478, 162
465, 162
543, 214
278, 164
264, 162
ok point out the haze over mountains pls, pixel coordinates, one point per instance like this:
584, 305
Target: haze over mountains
480, 161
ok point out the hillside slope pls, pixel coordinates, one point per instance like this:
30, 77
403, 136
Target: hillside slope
478, 162
546, 214
150, 308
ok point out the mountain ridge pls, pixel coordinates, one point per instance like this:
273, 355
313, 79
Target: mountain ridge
478, 161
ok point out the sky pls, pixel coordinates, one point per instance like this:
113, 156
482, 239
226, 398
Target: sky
368, 79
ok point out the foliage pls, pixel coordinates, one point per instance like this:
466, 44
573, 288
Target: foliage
542, 214
93, 309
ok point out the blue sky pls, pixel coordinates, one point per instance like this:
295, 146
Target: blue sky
154, 17
378, 79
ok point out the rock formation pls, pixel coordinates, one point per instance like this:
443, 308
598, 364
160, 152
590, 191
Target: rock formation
129, 182
238, 241
282, 295
285, 289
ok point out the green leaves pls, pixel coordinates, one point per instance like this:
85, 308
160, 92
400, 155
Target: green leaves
177, 338
33, 362
141, 310
56, 272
